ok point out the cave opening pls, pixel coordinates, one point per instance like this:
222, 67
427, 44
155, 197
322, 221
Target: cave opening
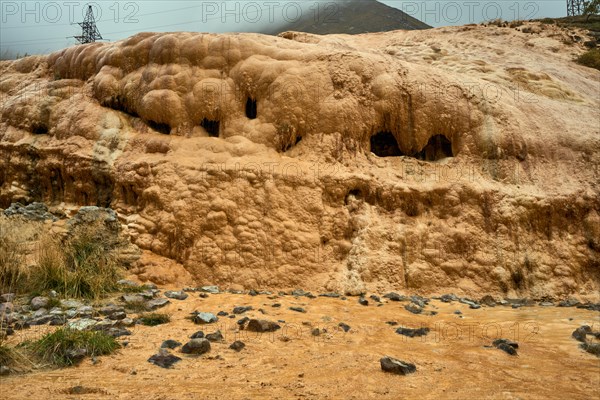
165, 129
437, 147
251, 108
212, 127
384, 144
39, 128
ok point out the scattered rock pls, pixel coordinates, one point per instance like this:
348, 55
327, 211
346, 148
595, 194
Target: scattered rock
330, 294
488, 300
210, 289
345, 327
546, 304
298, 309
457, 312
253, 293
315, 332
196, 346
237, 345
389, 364
241, 309
391, 323
110, 309
7, 298
363, 302
157, 303
170, 344
204, 318
276, 305
215, 336
130, 299
164, 359
177, 295
592, 348
507, 346
393, 296
222, 314
197, 335
580, 333
81, 324
448, 298
39, 302
118, 315
69, 304
203, 295
412, 332
261, 325
413, 308
34, 211
242, 321
375, 298
128, 283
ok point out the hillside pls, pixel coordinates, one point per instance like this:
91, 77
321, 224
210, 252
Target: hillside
351, 17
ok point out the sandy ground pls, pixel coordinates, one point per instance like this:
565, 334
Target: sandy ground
452, 362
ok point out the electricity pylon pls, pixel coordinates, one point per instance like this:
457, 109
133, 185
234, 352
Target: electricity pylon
90, 32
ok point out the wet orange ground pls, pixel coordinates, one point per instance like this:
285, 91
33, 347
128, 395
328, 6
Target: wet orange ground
451, 361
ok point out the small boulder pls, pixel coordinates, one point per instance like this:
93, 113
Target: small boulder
488, 300
164, 359
39, 302
580, 333
345, 327
393, 296
375, 298
298, 309
204, 318
592, 348
241, 309
197, 335
196, 346
157, 303
215, 336
395, 366
176, 294
261, 325
448, 298
170, 344
413, 308
237, 345
508, 346
363, 302
210, 289
412, 332
68, 304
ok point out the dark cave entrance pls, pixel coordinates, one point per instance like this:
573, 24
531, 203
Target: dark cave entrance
211, 127
165, 129
437, 147
384, 144
251, 108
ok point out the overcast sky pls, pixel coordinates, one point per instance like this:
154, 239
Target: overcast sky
43, 26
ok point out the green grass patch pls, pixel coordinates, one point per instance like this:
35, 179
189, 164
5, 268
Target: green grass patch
65, 347
153, 319
590, 58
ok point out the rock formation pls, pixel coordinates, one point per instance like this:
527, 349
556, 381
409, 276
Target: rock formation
463, 158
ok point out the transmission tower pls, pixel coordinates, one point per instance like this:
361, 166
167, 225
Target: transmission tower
574, 8
89, 31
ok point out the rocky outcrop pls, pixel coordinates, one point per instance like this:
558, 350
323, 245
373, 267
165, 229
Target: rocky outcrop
422, 160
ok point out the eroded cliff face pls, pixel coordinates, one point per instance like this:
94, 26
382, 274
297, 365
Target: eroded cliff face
463, 159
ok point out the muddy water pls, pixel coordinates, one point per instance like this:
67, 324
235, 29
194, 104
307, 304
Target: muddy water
452, 361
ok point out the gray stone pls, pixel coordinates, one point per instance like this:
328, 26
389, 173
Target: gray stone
118, 315
375, 298
164, 359
393, 365
393, 296
237, 345
170, 344
298, 309
126, 282
488, 300
412, 332
448, 298
363, 302
39, 302
177, 295
210, 289
508, 346
7, 298
157, 303
133, 299
196, 346
345, 327
330, 294
81, 324
110, 309
580, 333
40, 313
592, 348
71, 304
34, 211
197, 335
413, 308
241, 309
215, 336
261, 325
6, 308
204, 318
